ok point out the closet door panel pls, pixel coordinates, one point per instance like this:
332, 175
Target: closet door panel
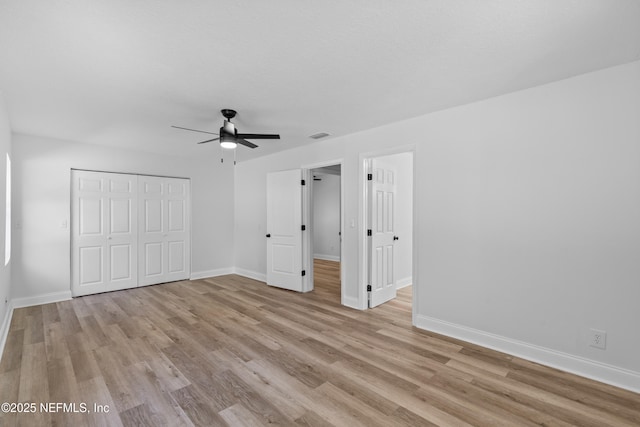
178, 229
164, 235
104, 234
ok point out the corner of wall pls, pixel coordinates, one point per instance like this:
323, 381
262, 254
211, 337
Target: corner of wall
6, 308
41, 299
197, 275
251, 274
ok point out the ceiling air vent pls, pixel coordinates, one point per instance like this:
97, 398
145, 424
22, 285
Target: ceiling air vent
319, 135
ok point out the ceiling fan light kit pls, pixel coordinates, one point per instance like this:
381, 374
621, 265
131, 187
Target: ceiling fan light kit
228, 143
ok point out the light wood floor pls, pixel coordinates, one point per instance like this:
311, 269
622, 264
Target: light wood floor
232, 351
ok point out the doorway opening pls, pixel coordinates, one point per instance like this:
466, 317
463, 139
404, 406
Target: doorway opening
326, 229
323, 212
388, 245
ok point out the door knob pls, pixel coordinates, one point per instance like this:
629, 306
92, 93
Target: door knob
268, 235
395, 237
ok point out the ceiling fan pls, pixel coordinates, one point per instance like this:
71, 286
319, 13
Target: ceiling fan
229, 137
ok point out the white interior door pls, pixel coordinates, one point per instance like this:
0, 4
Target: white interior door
383, 237
284, 233
104, 232
164, 246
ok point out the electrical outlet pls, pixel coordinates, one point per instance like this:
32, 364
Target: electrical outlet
598, 339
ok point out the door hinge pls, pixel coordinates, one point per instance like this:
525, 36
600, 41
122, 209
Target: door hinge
304, 273
369, 232
302, 182
369, 177
368, 288
304, 227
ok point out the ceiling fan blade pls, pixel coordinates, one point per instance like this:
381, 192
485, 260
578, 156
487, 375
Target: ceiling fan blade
258, 136
246, 143
193, 130
209, 140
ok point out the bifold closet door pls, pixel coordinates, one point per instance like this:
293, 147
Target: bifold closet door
104, 241
164, 246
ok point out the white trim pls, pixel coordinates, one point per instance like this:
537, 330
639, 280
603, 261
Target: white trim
307, 238
351, 302
404, 282
41, 299
211, 273
324, 164
6, 324
327, 257
619, 377
261, 277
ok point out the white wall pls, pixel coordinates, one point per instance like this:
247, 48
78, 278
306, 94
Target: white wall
326, 217
5, 271
528, 229
41, 268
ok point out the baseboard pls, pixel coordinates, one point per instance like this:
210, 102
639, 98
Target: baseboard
351, 302
250, 274
403, 283
619, 377
6, 323
211, 273
41, 299
327, 257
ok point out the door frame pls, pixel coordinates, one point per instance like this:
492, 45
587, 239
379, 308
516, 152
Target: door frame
307, 215
363, 213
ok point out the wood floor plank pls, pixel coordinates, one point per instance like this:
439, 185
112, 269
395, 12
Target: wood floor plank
141, 415
311, 419
116, 376
517, 414
354, 410
196, 407
168, 375
9, 388
50, 313
34, 328
55, 342
252, 401
158, 402
94, 391
399, 394
238, 415
68, 317
63, 388
403, 417
230, 350
12, 356
284, 401
34, 384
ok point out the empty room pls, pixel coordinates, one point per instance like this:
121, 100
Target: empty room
328, 213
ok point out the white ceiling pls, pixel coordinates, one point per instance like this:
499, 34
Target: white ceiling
120, 72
